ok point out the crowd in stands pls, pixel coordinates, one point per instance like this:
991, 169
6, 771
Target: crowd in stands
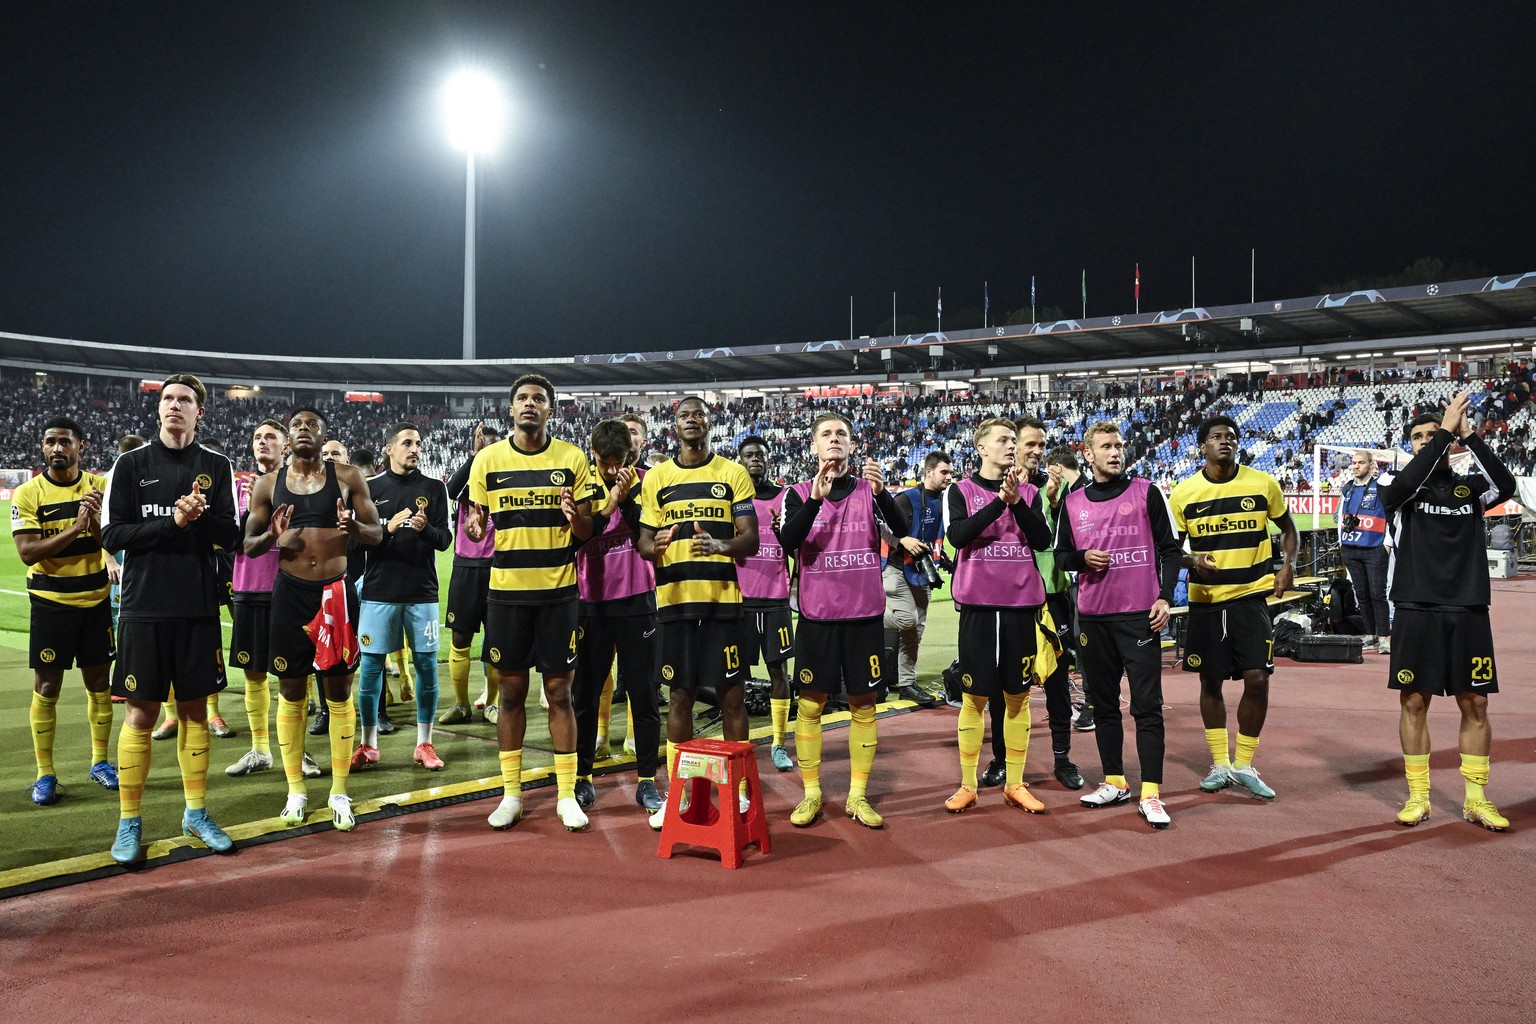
108, 411
1282, 419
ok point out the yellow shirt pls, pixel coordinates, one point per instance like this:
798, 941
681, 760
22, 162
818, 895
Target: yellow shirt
76, 576
534, 561
705, 498
1230, 522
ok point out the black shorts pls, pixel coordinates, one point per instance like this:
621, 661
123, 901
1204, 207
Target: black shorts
468, 590
1063, 609
248, 641
841, 656
63, 636
997, 650
1442, 652
295, 603
1225, 640
767, 633
158, 658
522, 636
691, 653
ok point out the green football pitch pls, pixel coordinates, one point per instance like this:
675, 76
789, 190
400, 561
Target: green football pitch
84, 820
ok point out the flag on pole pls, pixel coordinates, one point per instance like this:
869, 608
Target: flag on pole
1138, 282
986, 300
941, 302
1085, 292
1031, 289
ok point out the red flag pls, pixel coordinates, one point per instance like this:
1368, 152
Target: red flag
331, 629
1138, 280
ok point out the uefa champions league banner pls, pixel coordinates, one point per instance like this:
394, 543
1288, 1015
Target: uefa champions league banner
1190, 314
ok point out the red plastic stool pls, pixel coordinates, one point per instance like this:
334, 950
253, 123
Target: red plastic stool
720, 765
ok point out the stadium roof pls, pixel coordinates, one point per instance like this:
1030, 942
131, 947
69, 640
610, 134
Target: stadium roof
1435, 316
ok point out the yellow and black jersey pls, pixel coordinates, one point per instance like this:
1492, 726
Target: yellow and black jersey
534, 561
76, 576
705, 498
1230, 522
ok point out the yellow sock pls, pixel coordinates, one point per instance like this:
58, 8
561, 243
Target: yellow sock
1246, 745
565, 776
1150, 789
258, 709
192, 752
343, 730
1016, 726
170, 711
213, 706
43, 715
99, 713
458, 673
629, 724
1118, 781
778, 710
605, 709
863, 739
1221, 755
808, 744
972, 723
133, 747
1474, 770
1416, 767
671, 760
512, 771
290, 741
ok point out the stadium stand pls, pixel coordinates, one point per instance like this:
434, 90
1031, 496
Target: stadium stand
1281, 422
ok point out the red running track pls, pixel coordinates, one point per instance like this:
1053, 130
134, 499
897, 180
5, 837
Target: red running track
1315, 907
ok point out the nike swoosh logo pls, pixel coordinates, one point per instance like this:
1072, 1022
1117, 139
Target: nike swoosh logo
199, 753
146, 483
571, 660
868, 745
1202, 511
55, 515
647, 633
733, 675
381, 501
1143, 643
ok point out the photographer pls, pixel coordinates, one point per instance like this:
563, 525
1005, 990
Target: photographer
911, 571
1362, 532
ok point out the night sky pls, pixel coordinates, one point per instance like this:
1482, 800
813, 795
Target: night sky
275, 177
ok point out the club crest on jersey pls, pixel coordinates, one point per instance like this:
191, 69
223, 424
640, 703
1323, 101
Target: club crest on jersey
1124, 508
1405, 676
366, 639
46, 655
204, 481
495, 655
1193, 661
557, 477
1463, 491
421, 501
281, 664
243, 657
718, 490
450, 618
667, 672
966, 681
1082, 639
130, 684
1247, 504
806, 676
